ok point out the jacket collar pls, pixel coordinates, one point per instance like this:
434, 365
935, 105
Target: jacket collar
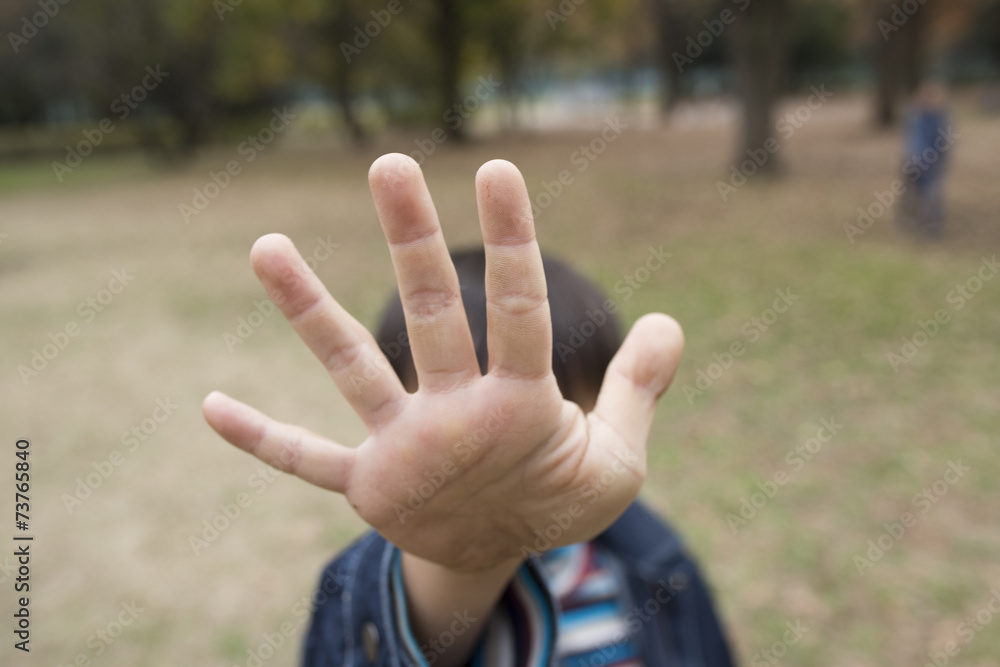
643, 541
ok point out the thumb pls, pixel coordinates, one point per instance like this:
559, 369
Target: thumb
638, 375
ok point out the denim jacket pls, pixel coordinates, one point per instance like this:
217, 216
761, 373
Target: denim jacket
673, 618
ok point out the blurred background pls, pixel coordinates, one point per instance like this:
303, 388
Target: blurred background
821, 173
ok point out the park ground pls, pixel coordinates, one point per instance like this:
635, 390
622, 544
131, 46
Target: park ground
832, 444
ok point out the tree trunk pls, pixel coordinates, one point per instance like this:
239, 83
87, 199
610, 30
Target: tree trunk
899, 53
188, 99
343, 89
340, 29
188, 95
669, 39
670, 87
448, 30
510, 71
886, 81
760, 45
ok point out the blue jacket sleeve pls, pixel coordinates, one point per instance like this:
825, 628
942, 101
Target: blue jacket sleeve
674, 612
353, 624
359, 612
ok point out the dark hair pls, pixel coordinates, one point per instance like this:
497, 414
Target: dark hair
585, 332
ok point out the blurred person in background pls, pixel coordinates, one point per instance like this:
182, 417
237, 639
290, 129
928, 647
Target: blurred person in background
927, 139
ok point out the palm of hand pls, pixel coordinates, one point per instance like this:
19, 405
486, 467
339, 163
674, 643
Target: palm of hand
472, 469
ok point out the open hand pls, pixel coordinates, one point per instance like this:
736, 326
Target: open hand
470, 470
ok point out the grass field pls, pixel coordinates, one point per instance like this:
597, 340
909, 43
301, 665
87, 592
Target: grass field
163, 337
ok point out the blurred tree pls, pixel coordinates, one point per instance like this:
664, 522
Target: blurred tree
680, 45
980, 38
222, 59
340, 23
504, 29
448, 28
230, 59
182, 38
666, 18
760, 41
900, 45
820, 38
35, 81
599, 38
989, 27
187, 38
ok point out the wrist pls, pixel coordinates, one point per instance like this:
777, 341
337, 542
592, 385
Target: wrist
492, 577
437, 595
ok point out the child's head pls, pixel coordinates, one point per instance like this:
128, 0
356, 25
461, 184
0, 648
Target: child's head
932, 94
584, 335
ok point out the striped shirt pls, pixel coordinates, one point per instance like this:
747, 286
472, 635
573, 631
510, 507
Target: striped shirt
584, 627
592, 599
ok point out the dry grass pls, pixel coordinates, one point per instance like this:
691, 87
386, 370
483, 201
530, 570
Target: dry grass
163, 337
